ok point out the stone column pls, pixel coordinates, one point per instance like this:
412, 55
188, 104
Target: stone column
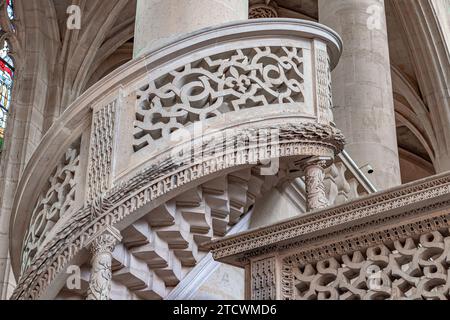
102, 248
362, 86
314, 169
159, 21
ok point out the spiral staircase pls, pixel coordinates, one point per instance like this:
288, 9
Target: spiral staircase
173, 150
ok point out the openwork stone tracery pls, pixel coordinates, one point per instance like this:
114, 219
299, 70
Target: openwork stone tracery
230, 81
55, 201
413, 268
373, 248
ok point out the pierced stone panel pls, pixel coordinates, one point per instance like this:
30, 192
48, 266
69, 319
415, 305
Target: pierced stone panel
263, 279
207, 88
407, 269
55, 200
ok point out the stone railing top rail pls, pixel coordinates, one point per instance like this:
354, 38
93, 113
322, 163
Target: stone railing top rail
384, 216
356, 172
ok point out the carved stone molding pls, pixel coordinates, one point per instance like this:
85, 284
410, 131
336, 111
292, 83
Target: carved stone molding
393, 208
102, 248
263, 279
101, 151
226, 56
324, 88
390, 245
204, 89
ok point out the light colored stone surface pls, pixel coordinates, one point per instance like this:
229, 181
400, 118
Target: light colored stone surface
159, 21
226, 283
370, 249
273, 207
56, 65
119, 148
362, 87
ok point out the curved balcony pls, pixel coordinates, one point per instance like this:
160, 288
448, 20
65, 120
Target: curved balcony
216, 103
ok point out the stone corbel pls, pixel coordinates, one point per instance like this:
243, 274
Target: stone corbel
102, 247
314, 169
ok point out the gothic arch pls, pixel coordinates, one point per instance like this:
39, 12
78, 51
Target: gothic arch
427, 45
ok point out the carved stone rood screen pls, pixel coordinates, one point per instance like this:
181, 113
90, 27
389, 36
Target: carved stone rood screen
391, 245
245, 78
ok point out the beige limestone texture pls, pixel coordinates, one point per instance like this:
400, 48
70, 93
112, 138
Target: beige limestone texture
158, 21
362, 86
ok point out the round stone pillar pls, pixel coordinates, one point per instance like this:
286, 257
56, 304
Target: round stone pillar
362, 87
159, 21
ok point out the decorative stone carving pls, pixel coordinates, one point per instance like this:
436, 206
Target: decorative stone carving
215, 85
278, 83
263, 279
55, 201
260, 9
314, 181
102, 248
409, 269
151, 184
359, 215
343, 184
324, 89
102, 139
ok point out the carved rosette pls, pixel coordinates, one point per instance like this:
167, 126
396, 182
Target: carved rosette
314, 170
102, 248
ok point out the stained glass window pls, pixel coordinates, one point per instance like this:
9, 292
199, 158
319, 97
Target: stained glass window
10, 9
6, 77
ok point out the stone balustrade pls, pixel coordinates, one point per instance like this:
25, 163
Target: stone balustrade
211, 103
388, 245
344, 181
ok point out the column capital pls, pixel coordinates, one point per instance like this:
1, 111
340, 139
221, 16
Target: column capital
105, 241
322, 162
